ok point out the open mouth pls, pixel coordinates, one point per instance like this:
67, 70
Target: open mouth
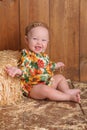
38, 48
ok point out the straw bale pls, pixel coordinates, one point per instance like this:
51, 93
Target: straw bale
10, 91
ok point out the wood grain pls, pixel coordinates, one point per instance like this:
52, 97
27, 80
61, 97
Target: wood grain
64, 24
9, 25
83, 40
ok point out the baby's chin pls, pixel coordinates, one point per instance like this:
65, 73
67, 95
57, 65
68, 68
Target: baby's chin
38, 51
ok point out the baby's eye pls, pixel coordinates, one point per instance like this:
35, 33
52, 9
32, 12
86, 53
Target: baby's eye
44, 40
34, 38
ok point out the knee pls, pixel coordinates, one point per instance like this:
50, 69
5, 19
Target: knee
60, 77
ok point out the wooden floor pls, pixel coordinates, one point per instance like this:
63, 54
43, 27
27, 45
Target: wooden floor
32, 114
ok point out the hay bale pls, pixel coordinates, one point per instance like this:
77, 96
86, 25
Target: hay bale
10, 91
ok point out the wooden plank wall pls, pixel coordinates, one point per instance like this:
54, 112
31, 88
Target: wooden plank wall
83, 40
67, 20
9, 24
64, 23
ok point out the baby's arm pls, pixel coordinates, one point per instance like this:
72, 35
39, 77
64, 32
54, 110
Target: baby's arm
13, 71
57, 65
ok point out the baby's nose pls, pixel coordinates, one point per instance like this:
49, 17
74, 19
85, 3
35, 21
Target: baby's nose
39, 41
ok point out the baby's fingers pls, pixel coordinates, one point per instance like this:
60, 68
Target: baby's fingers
62, 65
61, 69
9, 71
6, 69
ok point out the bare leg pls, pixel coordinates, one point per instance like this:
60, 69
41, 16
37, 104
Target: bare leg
61, 84
43, 91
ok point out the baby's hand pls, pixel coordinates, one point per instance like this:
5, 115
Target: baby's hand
12, 71
60, 65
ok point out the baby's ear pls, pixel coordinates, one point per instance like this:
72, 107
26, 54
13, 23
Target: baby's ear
26, 39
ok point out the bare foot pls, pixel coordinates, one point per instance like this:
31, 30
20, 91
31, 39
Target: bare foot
73, 91
78, 96
75, 94
75, 98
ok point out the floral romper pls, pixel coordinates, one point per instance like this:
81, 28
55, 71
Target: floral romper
36, 69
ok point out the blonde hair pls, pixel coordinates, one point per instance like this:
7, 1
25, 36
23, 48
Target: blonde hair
33, 25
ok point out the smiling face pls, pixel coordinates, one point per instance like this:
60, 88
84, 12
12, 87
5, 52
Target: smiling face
37, 39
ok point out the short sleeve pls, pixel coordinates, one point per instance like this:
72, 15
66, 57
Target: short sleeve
51, 64
22, 64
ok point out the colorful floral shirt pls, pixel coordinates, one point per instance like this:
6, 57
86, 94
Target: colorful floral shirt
36, 68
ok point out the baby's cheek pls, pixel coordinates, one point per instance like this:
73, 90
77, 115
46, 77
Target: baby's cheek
45, 46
